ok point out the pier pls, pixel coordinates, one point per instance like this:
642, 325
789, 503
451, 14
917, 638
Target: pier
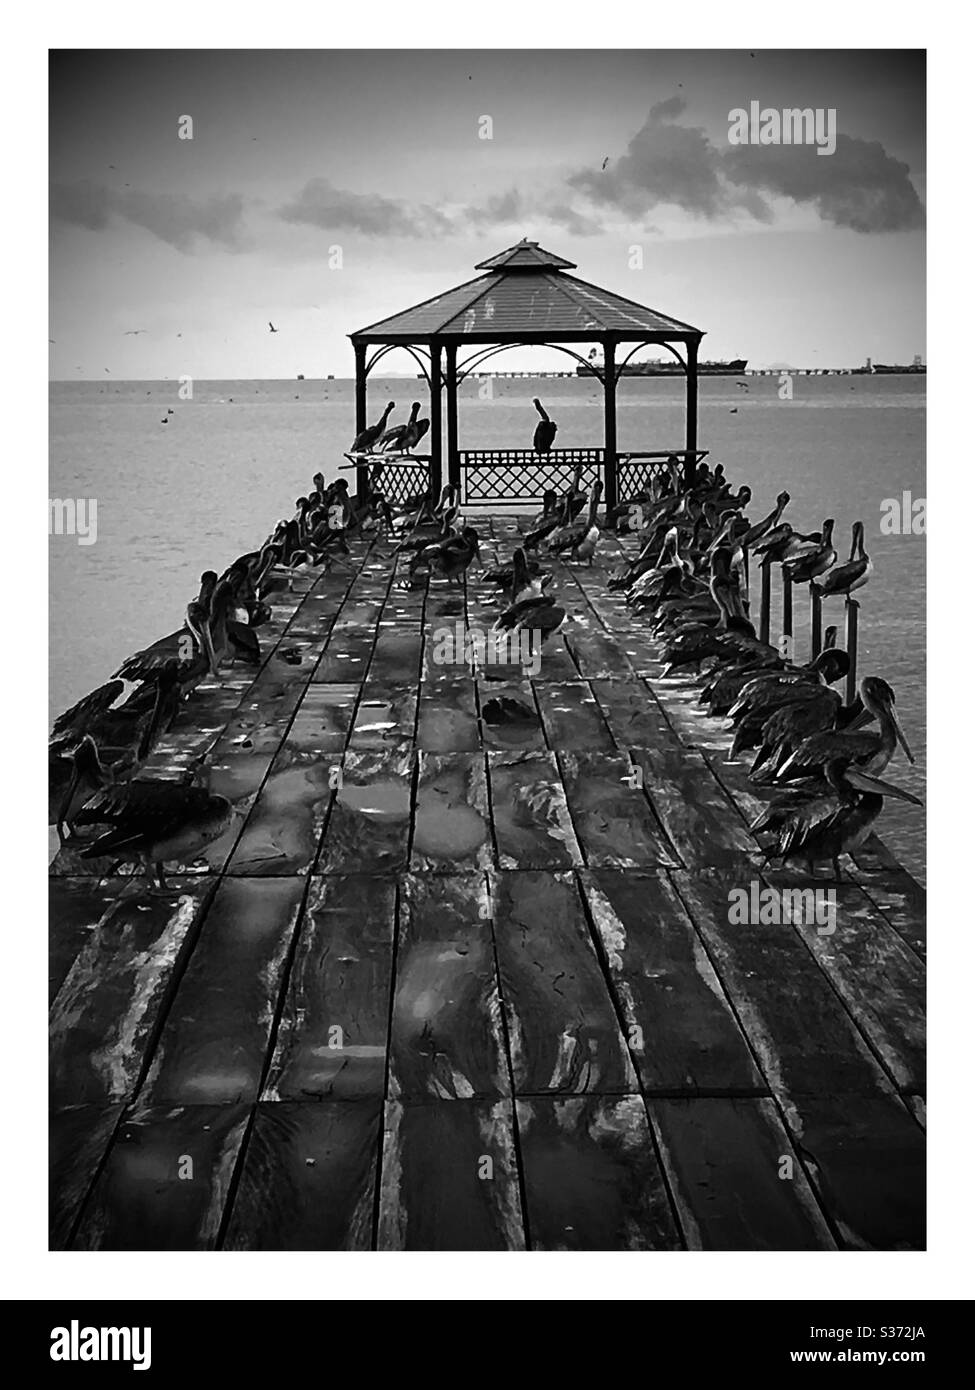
454, 983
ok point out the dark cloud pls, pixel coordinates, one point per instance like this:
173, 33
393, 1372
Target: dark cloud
859, 186
179, 220
495, 211
321, 204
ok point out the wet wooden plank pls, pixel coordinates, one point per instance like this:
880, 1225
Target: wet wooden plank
451, 822
446, 1039
592, 1178
103, 1018
385, 717
368, 828
323, 718
396, 658
308, 1177
447, 719
78, 1140
726, 1160
519, 727
166, 1179
867, 1160
565, 1036
75, 907
804, 1038
284, 826
213, 1046
879, 979
572, 717
613, 819
331, 1042
346, 658
529, 812
595, 652
679, 1023
450, 1178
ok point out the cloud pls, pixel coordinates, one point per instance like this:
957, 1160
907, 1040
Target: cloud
321, 204
176, 218
860, 186
499, 209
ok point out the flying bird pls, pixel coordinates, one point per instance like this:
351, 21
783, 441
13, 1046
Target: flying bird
271, 326
605, 161
134, 332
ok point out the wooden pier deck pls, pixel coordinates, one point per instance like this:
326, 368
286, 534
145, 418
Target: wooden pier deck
480, 990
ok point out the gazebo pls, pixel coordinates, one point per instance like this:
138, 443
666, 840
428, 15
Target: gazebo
525, 296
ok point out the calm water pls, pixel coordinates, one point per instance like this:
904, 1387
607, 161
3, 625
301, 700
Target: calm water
190, 495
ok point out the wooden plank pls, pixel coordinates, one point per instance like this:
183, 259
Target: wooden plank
166, 1179
75, 907
323, 718
78, 1139
879, 979
368, 828
804, 1038
450, 1178
446, 1039
614, 822
529, 812
451, 822
214, 1043
595, 652
572, 717
308, 1178
103, 1018
346, 658
331, 1042
522, 731
592, 1178
737, 1179
448, 720
867, 1160
284, 826
396, 658
385, 717
680, 1026
565, 1036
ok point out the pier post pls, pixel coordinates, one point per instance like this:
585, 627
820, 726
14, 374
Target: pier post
609, 409
765, 612
450, 380
690, 426
436, 420
786, 645
815, 622
361, 474
852, 636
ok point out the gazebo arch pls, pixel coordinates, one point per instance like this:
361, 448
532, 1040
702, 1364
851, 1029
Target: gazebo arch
525, 297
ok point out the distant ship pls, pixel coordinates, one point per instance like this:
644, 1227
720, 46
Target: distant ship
886, 369
733, 368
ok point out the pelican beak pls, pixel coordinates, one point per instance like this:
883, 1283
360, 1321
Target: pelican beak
901, 737
865, 783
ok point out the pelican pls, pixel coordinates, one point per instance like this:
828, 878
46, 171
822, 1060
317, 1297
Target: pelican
854, 574
870, 749
767, 525
395, 439
449, 558
365, 439
154, 822
833, 818
545, 430
72, 781
581, 537
813, 562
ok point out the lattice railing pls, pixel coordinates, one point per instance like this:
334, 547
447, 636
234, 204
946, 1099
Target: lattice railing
634, 471
401, 480
520, 475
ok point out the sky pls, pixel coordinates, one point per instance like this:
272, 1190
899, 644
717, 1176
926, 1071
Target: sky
323, 191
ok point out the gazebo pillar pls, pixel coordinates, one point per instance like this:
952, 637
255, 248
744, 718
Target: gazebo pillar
450, 381
609, 405
690, 438
436, 420
361, 474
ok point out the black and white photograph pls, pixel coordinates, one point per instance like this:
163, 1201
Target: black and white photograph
487, 661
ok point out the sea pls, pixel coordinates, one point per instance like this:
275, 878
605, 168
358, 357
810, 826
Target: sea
183, 485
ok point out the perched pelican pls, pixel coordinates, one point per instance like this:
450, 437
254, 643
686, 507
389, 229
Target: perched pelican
154, 822
365, 439
581, 538
854, 574
396, 439
545, 430
449, 558
832, 819
767, 525
73, 781
806, 567
870, 749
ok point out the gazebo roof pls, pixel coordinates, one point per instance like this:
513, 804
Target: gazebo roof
526, 292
